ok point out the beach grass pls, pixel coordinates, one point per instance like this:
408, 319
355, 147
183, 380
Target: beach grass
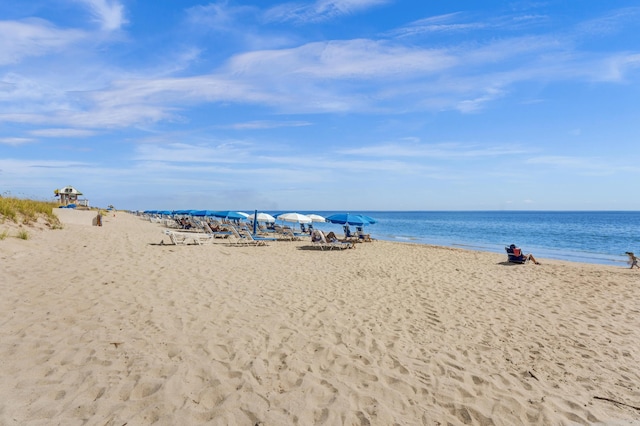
25, 211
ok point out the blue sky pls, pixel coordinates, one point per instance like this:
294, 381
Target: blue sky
323, 105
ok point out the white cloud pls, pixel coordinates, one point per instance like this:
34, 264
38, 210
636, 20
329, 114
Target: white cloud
265, 124
618, 67
584, 165
62, 133
15, 141
610, 23
108, 13
320, 10
437, 150
32, 37
361, 75
455, 23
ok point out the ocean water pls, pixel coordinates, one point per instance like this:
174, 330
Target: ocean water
592, 237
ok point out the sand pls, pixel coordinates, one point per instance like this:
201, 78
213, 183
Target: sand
105, 326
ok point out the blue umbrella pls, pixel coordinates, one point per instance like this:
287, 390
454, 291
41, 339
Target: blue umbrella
228, 215
369, 218
202, 213
348, 219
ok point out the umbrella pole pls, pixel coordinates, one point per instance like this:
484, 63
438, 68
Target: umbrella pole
255, 221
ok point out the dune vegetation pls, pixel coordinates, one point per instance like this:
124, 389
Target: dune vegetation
24, 211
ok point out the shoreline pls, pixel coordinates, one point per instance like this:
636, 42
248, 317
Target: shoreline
602, 259
105, 325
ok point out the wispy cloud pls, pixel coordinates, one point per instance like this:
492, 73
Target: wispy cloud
62, 133
320, 10
264, 124
437, 24
217, 153
219, 16
320, 77
583, 165
456, 23
33, 37
412, 149
618, 67
612, 22
109, 14
15, 141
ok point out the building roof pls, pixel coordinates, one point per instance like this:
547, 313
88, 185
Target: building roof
68, 190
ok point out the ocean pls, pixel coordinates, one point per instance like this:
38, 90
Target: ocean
599, 237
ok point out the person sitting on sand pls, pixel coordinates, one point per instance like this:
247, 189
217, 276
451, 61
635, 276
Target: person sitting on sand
518, 252
633, 260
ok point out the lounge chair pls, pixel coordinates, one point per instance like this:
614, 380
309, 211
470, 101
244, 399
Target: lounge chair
514, 255
256, 239
244, 239
288, 234
362, 236
182, 238
320, 240
215, 229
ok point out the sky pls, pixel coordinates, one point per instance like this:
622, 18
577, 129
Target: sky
347, 105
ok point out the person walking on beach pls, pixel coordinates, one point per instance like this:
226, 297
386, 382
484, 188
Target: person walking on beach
633, 260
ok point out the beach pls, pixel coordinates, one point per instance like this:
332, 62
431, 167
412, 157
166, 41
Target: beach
112, 325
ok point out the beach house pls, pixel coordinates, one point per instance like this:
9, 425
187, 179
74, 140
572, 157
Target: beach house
69, 195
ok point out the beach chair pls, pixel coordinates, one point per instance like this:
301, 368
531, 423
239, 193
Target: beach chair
318, 239
322, 242
244, 238
362, 236
288, 234
514, 254
238, 239
182, 238
215, 229
255, 239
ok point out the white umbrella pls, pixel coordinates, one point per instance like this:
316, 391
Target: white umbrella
262, 217
317, 218
295, 217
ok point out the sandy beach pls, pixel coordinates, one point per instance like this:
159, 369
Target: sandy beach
106, 326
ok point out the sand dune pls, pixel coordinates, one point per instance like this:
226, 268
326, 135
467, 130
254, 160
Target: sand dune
103, 325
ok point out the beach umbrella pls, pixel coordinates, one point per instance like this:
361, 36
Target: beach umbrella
295, 218
246, 215
317, 218
262, 217
227, 214
348, 219
369, 218
201, 212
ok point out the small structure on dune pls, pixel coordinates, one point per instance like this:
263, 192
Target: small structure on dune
69, 195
